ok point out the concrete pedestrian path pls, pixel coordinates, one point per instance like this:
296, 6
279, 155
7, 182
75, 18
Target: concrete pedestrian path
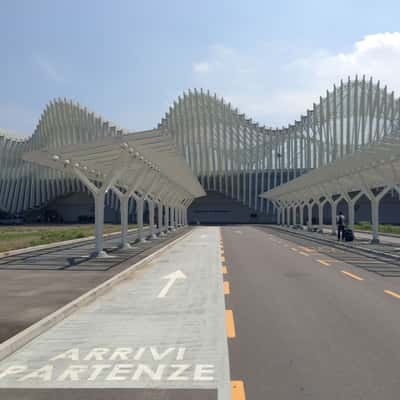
161, 328
38, 282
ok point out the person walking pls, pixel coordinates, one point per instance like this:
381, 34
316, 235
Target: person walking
340, 226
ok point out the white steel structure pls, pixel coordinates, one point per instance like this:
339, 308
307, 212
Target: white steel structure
144, 166
227, 151
233, 155
73, 149
371, 172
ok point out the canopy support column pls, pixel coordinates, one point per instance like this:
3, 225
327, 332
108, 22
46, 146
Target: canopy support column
185, 211
99, 197
180, 211
375, 201
278, 208
301, 214
321, 205
160, 218
151, 218
124, 205
99, 223
375, 220
294, 213
309, 219
139, 216
124, 208
333, 217
167, 209
283, 215
351, 202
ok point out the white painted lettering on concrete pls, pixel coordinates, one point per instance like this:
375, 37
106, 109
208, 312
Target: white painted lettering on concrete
139, 353
146, 369
59, 372
203, 372
111, 372
181, 353
179, 370
97, 354
98, 369
159, 356
13, 370
121, 353
72, 373
45, 374
172, 278
120, 372
72, 354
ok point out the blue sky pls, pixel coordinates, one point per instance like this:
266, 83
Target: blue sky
128, 60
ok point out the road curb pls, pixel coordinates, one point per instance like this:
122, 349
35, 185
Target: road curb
22, 338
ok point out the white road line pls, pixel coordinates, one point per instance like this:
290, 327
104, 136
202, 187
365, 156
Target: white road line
172, 278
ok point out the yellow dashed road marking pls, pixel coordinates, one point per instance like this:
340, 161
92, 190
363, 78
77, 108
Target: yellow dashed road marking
304, 254
393, 294
227, 288
238, 392
222, 258
357, 278
307, 249
294, 249
224, 270
323, 262
230, 324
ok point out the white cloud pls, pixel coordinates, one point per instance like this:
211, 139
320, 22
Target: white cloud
276, 82
47, 68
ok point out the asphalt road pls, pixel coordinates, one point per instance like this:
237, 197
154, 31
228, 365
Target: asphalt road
307, 329
299, 325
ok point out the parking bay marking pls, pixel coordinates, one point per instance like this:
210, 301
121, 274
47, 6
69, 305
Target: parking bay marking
349, 274
393, 294
327, 263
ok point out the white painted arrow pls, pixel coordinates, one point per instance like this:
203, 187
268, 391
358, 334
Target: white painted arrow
171, 280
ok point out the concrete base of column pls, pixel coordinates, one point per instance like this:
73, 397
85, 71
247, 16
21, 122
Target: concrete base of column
125, 246
375, 241
100, 254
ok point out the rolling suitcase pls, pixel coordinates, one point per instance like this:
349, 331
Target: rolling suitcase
348, 235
